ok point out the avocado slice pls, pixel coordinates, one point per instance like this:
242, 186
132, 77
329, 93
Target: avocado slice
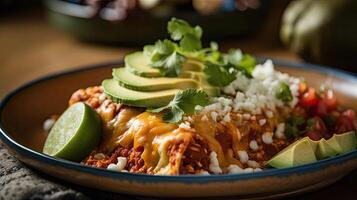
325, 150
134, 82
299, 153
151, 99
138, 64
120, 94
339, 143
344, 143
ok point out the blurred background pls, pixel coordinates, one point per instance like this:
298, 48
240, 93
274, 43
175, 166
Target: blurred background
42, 37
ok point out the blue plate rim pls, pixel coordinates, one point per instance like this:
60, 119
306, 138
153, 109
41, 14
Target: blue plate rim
190, 179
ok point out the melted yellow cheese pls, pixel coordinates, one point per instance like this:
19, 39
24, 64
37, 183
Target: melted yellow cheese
149, 131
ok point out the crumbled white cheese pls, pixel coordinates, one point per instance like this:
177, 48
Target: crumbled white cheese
253, 164
262, 122
188, 119
280, 129
203, 172
267, 138
185, 125
214, 116
257, 169
259, 93
119, 166
248, 170
253, 145
243, 156
214, 164
48, 124
234, 169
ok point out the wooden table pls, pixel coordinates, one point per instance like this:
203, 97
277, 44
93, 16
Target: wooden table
30, 48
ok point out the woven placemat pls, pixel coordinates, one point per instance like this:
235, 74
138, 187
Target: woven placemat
18, 182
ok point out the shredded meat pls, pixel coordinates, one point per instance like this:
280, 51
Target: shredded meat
196, 157
135, 163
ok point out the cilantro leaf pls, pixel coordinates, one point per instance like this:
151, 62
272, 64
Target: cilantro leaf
291, 131
247, 64
242, 62
292, 126
210, 54
164, 56
184, 102
284, 93
189, 37
219, 74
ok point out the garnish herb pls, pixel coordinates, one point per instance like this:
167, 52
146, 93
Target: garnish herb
189, 37
292, 126
219, 74
183, 103
244, 63
284, 93
164, 56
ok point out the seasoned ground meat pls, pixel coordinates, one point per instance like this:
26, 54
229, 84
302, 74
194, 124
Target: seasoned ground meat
135, 163
196, 157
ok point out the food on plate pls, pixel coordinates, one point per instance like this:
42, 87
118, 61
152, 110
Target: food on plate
178, 108
75, 133
306, 151
299, 153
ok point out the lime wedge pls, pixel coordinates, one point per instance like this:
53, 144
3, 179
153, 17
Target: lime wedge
75, 133
299, 153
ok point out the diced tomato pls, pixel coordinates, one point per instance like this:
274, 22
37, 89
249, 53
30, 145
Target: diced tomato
314, 135
321, 109
330, 100
317, 128
319, 125
346, 122
309, 98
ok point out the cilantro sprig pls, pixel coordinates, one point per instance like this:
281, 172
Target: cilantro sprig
183, 103
188, 36
284, 93
242, 62
292, 126
164, 56
219, 74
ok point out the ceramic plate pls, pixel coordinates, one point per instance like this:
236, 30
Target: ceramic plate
23, 111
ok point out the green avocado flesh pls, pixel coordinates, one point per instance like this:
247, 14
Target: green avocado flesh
140, 85
306, 151
138, 64
134, 82
337, 144
152, 99
299, 153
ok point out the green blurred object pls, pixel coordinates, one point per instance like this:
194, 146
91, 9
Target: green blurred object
322, 31
142, 27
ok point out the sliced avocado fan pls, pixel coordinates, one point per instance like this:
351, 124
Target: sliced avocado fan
138, 64
120, 94
306, 151
134, 82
